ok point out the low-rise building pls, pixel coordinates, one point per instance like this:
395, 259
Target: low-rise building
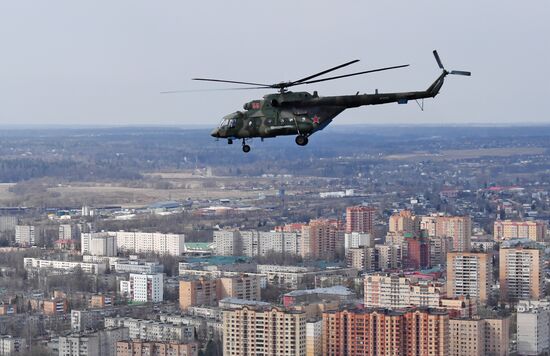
151, 348
101, 343
339, 293
400, 291
152, 330
67, 266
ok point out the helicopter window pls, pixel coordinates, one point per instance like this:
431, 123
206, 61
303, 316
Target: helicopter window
224, 123
232, 123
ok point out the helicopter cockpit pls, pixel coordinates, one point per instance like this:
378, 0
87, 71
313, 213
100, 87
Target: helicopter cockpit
228, 122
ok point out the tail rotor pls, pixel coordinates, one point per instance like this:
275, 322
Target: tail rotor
455, 72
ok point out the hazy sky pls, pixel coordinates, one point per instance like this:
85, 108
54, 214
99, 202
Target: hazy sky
105, 62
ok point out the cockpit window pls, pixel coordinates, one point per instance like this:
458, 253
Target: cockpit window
232, 123
224, 123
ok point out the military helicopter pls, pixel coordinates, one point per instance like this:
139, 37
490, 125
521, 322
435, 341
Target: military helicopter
301, 113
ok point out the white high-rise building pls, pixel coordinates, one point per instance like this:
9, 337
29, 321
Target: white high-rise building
98, 244
533, 327
65, 232
358, 239
24, 235
144, 287
228, 242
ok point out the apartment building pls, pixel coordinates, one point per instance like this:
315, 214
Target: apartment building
143, 287
264, 331
508, 229
479, 337
521, 273
397, 292
533, 327
469, 274
360, 219
374, 332
86, 267
152, 348
25, 235
101, 343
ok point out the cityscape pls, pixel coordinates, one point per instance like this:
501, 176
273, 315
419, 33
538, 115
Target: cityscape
274, 178
425, 247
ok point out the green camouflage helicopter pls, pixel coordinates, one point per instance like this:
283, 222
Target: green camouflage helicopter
301, 113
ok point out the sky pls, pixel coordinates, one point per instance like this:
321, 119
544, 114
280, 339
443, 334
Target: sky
105, 62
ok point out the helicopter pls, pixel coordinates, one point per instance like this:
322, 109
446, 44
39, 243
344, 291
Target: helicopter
302, 113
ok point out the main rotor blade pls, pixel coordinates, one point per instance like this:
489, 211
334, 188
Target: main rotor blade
461, 72
323, 72
230, 81
353, 74
206, 90
438, 60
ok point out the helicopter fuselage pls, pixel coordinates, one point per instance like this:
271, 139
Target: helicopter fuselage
302, 113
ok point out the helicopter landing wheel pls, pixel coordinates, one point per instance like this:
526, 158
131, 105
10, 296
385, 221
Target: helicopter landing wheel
246, 148
301, 140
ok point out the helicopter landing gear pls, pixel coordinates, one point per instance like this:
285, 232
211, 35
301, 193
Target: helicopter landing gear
246, 148
301, 140
229, 141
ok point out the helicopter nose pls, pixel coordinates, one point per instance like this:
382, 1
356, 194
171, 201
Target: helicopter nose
215, 133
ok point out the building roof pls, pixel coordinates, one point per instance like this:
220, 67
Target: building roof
335, 290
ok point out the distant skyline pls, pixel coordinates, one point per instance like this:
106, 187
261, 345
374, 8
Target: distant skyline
88, 63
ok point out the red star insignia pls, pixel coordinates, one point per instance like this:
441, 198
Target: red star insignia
315, 119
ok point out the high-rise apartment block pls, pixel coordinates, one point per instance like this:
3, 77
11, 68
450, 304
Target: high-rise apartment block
98, 244
358, 239
508, 229
314, 338
375, 332
25, 235
469, 274
521, 274
322, 239
227, 242
377, 258
404, 222
256, 243
199, 291
458, 228
65, 232
533, 327
418, 252
146, 242
479, 337
360, 219
264, 331
144, 287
